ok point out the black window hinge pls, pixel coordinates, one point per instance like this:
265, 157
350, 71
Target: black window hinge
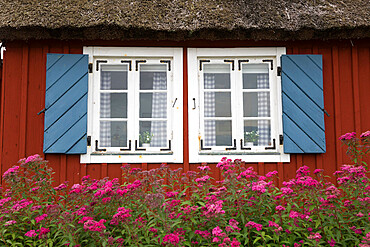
88, 141
90, 67
279, 71
281, 139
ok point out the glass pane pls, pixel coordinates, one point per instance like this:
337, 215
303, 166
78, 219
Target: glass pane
113, 77
153, 105
153, 77
217, 104
113, 105
255, 76
256, 104
113, 134
217, 133
216, 76
153, 133
257, 133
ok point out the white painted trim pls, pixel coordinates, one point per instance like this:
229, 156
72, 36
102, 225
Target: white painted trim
175, 115
196, 155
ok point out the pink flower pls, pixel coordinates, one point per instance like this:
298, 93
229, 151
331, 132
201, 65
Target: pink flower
10, 222
316, 236
215, 240
365, 134
40, 218
95, 226
203, 179
106, 199
121, 215
279, 208
204, 168
270, 174
348, 136
43, 231
217, 231
332, 242
252, 224
293, 214
171, 239
13, 171
31, 234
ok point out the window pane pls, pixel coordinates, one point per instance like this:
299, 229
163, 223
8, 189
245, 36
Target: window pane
113, 134
113, 77
257, 133
157, 132
216, 76
217, 104
256, 104
153, 105
113, 105
217, 133
153, 77
255, 76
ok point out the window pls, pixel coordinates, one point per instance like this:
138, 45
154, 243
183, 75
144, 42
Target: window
236, 107
135, 105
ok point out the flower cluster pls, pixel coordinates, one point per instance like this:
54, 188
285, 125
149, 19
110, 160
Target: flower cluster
164, 207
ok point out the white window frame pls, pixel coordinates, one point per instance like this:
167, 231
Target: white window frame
195, 107
174, 106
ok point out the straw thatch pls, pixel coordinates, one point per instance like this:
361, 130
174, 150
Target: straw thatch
184, 19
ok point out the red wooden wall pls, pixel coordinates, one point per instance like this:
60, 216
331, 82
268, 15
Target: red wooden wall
346, 95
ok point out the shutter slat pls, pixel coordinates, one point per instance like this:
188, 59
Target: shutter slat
65, 82
66, 104
61, 126
303, 101
63, 63
299, 76
70, 138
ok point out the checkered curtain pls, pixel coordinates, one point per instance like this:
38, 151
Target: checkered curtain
159, 110
105, 101
209, 110
263, 105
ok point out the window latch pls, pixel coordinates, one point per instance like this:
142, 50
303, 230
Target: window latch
326, 113
88, 141
281, 139
194, 104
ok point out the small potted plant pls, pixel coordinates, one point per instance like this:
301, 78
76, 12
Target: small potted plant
145, 138
250, 138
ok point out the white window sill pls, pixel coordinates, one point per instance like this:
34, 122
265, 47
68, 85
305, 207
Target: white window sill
212, 157
165, 157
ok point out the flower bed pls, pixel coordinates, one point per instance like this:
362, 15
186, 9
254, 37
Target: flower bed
162, 207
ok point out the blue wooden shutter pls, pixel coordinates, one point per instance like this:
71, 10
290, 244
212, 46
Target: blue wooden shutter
66, 104
303, 104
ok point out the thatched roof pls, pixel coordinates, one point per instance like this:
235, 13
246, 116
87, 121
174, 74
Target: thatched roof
184, 19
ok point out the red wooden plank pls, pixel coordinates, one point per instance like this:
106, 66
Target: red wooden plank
337, 103
261, 168
23, 99
2, 113
356, 90
63, 168
115, 171
280, 170
12, 87
104, 170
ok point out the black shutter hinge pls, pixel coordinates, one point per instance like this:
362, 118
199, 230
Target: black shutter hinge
279, 71
88, 141
90, 67
326, 113
281, 139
